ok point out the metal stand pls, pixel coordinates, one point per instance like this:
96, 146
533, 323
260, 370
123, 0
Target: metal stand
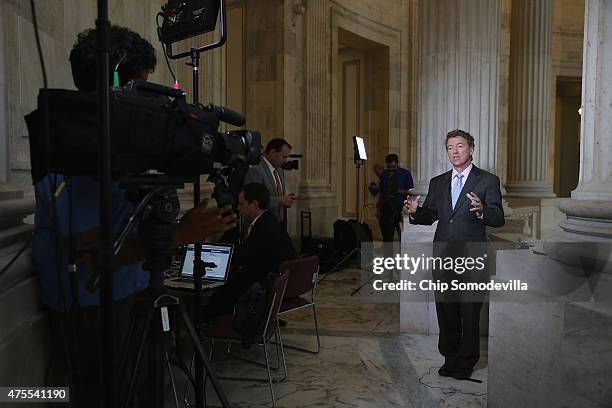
157, 233
336, 267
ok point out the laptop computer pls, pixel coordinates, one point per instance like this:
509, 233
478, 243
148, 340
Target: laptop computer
219, 254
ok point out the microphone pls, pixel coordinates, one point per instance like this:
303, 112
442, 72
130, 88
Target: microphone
226, 115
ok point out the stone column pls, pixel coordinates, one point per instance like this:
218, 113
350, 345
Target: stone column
458, 87
589, 211
529, 110
459, 81
317, 142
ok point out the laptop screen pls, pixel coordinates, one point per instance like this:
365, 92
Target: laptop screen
219, 254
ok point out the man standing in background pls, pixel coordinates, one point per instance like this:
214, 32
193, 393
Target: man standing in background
392, 190
269, 172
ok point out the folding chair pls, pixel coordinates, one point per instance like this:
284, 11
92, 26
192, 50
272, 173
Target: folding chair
303, 275
222, 330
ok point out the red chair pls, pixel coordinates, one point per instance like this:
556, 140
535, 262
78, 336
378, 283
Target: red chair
222, 330
303, 273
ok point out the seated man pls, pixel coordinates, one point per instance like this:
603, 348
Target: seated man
266, 246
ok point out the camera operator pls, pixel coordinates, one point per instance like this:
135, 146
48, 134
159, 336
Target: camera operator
70, 221
269, 172
393, 187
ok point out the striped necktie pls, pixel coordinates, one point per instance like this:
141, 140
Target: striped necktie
279, 193
457, 189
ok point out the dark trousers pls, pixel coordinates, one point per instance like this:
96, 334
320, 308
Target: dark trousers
389, 218
459, 340
224, 299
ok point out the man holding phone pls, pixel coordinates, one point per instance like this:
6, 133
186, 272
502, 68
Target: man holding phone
269, 172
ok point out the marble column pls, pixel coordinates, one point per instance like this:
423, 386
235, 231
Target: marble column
589, 211
529, 110
317, 145
458, 87
459, 82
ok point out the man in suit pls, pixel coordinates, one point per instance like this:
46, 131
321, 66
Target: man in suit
464, 201
266, 246
269, 172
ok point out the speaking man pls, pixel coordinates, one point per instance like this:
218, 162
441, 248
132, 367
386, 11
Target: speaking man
464, 201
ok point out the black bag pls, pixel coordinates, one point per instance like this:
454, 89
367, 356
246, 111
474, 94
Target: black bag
362, 232
344, 238
349, 235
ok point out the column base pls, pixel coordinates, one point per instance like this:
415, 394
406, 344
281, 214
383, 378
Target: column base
529, 189
586, 239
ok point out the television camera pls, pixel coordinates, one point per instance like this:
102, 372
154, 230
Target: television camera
153, 128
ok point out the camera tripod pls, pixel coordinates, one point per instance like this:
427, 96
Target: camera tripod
157, 230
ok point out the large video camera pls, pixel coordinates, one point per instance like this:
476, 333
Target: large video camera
152, 128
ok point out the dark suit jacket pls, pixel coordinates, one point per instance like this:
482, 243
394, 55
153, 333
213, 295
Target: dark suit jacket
460, 224
267, 246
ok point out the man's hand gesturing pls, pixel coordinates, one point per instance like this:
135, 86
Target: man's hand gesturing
200, 223
412, 204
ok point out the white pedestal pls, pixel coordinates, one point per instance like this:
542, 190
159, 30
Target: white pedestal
418, 315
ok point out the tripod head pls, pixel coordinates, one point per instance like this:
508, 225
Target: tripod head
157, 209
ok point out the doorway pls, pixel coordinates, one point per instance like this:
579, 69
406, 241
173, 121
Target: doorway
567, 135
362, 80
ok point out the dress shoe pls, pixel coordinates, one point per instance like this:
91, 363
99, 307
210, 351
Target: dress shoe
461, 375
444, 371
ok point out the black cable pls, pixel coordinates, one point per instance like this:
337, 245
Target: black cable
452, 390
164, 48
40, 53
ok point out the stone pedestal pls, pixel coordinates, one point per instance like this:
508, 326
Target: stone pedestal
545, 349
418, 316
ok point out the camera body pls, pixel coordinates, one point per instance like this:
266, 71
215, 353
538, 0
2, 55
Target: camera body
290, 165
152, 128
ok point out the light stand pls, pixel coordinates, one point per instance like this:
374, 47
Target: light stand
359, 157
105, 230
198, 265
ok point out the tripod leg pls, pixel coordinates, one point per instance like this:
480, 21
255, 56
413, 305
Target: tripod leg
337, 266
202, 353
362, 286
141, 348
172, 382
125, 346
366, 282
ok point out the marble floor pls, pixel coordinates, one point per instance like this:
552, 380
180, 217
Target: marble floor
363, 362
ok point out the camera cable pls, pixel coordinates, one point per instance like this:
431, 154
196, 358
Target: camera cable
176, 84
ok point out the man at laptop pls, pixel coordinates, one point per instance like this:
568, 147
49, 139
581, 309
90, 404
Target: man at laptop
265, 247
